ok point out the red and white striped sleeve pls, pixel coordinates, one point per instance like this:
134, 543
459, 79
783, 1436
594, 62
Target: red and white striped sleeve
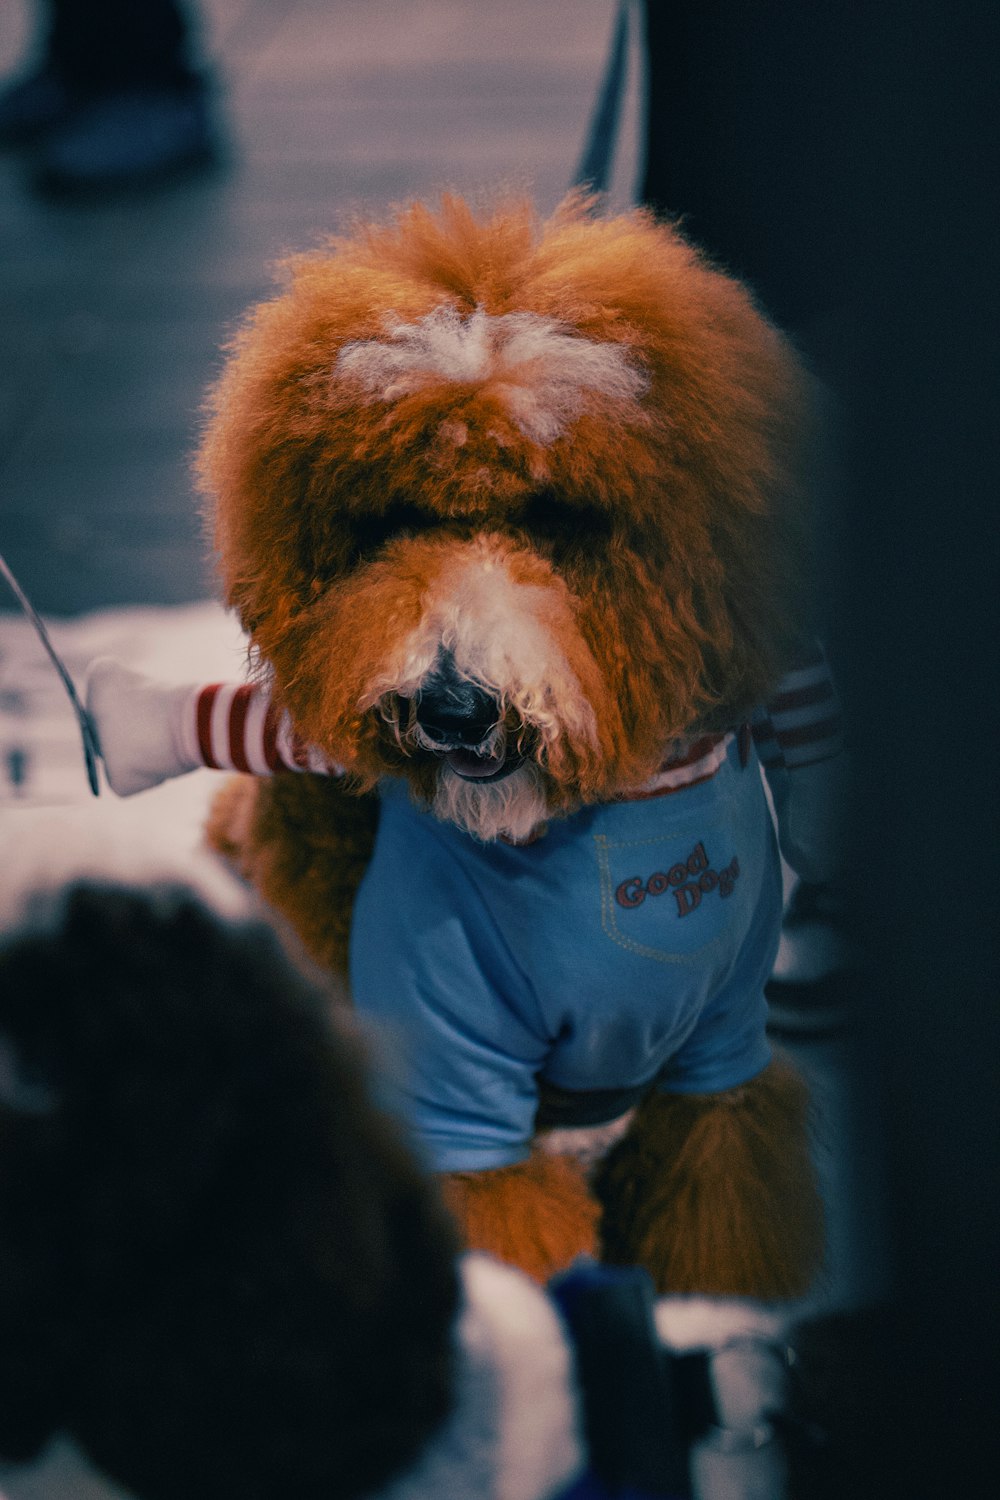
236, 727
802, 724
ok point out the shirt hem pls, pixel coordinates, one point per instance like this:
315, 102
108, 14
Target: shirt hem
464, 1160
747, 1074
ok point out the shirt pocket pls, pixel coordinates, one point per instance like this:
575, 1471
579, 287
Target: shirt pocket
677, 897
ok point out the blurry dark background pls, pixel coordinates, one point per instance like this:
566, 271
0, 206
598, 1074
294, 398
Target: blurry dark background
842, 156
920, 602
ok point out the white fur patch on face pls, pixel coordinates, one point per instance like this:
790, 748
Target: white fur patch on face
498, 633
500, 636
542, 373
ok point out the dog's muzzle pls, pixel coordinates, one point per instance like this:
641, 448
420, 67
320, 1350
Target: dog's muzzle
463, 724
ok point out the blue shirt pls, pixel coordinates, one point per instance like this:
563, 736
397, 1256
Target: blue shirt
629, 945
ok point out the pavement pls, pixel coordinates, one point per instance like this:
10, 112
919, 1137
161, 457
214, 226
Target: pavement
112, 315
111, 320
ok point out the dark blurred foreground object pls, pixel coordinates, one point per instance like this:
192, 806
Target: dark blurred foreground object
221, 1272
843, 158
114, 101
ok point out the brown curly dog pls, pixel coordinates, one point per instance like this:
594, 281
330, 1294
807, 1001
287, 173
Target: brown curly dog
513, 516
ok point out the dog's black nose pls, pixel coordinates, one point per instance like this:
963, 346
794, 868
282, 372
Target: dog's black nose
454, 711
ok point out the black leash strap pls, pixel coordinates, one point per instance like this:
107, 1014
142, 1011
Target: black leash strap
91, 753
594, 172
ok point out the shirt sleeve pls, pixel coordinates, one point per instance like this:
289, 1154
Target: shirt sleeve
469, 1074
434, 979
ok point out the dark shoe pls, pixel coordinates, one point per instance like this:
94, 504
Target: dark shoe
808, 993
125, 140
32, 106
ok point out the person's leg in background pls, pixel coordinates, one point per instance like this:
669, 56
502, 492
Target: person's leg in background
114, 99
747, 142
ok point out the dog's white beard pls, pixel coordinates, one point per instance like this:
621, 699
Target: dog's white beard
510, 809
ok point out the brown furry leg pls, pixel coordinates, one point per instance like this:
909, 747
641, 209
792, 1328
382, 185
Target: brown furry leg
303, 843
716, 1193
230, 818
538, 1215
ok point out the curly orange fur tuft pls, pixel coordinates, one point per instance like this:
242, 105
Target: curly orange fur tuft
716, 1193
538, 1215
303, 842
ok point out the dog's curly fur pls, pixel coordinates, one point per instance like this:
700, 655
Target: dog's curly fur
220, 1271
571, 455
664, 530
299, 835
734, 1168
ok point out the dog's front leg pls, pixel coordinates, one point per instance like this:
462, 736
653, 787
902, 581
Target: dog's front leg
716, 1193
303, 842
538, 1215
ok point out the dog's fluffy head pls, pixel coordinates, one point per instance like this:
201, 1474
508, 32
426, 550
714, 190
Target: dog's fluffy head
559, 462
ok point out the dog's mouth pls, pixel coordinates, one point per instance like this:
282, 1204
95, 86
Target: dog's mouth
471, 765
498, 754
481, 750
